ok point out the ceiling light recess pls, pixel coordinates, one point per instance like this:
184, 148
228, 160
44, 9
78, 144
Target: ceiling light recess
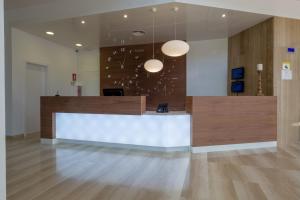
153, 65
50, 33
82, 22
138, 33
78, 45
125, 16
175, 48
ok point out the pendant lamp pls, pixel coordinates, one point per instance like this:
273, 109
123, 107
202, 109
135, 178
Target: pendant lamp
175, 48
153, 65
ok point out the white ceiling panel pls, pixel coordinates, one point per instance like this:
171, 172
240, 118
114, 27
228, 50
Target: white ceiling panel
193, 23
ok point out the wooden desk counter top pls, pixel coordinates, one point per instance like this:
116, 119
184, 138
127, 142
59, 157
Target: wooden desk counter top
127, 105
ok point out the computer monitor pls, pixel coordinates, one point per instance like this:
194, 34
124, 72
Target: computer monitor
113, 92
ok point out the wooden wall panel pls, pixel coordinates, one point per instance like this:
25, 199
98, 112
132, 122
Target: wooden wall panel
189, 104
249, 48
91, 105
123, 67
233, 120
287, 34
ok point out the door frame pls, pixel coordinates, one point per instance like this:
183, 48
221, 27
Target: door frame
45, 67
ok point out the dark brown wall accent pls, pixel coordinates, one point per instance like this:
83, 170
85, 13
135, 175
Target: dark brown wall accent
249, 48
233, 120
92, 105
123, 67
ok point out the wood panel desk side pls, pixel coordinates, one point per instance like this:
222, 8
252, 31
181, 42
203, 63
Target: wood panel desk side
233, 120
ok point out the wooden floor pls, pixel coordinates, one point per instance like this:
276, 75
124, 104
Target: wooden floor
68, 171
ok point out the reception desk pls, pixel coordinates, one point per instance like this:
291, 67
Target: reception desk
113, 121
124, 121
92, 105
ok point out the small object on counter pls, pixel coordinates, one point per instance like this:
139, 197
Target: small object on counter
162, 108
57, 94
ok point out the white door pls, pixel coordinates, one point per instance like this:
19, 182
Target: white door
35, 88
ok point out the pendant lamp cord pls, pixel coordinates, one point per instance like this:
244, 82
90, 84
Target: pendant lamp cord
175, 25
153, 37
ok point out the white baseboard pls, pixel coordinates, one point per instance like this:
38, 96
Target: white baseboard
118, 146
49, 141
232, 147
204, 149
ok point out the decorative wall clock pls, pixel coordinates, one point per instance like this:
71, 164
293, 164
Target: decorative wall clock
122, 67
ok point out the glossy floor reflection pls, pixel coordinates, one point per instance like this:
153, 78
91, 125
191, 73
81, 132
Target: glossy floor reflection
81, 172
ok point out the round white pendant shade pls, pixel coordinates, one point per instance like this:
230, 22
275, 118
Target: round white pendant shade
175, 48
153, 65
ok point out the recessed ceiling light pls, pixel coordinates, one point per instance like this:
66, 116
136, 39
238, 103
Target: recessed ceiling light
224, 15
82, 21
125, 16
78, 45
138, 33
50, 33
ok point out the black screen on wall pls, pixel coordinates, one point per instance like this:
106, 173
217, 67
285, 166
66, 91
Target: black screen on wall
238, 73
237, 87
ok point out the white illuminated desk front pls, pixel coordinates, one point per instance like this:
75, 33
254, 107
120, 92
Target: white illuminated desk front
113, 121
169, 131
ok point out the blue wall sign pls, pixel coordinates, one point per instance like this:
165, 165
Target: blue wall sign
291, 50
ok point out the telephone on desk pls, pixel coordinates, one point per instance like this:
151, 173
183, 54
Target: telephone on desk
162, 108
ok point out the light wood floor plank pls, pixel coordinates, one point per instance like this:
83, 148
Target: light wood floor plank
82, 172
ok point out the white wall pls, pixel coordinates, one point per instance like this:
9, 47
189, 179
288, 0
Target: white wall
89, 72
207, 68
2, 108
206, 59
8, 74
61, 63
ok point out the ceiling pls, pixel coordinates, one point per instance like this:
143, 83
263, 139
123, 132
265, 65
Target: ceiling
194, 23
13, 4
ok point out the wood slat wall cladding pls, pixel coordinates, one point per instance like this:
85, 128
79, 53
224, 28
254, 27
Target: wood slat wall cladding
91, 105
287, 34
123, 67
233, 120
249, 48
268, 42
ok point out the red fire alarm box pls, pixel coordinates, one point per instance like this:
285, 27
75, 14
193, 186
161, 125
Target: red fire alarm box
74, 77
